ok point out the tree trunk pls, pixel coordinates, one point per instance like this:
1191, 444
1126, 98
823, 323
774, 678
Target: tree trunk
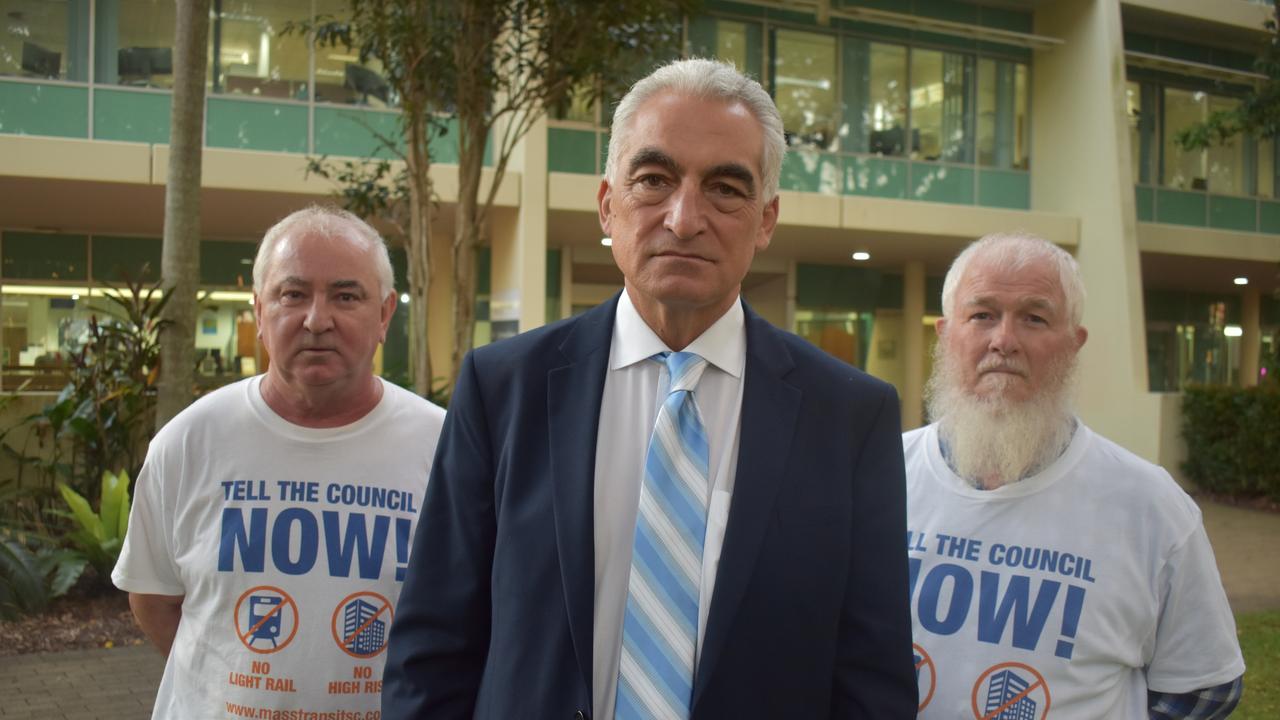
180, 264
418, 245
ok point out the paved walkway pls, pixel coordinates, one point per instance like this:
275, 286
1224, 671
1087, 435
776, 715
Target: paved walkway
115, 684
120, 684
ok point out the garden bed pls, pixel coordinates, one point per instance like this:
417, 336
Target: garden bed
80, 620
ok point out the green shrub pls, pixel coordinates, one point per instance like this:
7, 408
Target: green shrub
99, 536
33, 572
1233, 439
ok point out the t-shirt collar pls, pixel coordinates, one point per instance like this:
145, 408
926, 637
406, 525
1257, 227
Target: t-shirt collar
723, 345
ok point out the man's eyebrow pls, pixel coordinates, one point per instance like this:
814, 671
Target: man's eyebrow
653, 156
737, 172
346, 285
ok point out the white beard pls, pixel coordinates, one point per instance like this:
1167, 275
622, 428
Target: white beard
994, 441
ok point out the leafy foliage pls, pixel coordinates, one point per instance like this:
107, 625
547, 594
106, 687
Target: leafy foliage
1258, 113
99, 536
33, 572
492, 69
100, 422
1233, 439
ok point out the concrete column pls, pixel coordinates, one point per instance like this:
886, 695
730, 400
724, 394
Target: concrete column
1080, 166
912, 389
518, 292
1251, 339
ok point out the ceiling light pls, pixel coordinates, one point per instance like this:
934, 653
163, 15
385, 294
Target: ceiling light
404, 297
1233, 331
1241, 281
607, 242
75, 296
861, 255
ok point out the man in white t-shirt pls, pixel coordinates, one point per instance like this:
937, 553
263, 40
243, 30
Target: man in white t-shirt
271, 522
1050, 568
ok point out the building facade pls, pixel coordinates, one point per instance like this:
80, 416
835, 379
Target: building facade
915, 126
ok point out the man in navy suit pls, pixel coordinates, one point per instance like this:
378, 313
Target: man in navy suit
525, 599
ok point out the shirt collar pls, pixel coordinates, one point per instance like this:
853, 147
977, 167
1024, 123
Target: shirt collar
723, 345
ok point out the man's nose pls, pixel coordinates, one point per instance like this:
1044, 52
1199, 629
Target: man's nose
686, 212
319, 317
1004, 336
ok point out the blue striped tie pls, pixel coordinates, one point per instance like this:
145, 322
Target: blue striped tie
660, 632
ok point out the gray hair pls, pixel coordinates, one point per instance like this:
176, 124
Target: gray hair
1017, 251
325, 220
711, 80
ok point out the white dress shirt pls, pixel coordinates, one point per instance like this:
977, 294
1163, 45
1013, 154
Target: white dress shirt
628, 410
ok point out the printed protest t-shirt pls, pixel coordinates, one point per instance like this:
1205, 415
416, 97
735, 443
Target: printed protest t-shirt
289, 544
1064, 595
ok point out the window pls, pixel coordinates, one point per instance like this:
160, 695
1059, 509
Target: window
341, 77
45, 40
249, 56
134, 43
941, 107
1002, 114
1222, 169
875, 110
805, 87
728, 40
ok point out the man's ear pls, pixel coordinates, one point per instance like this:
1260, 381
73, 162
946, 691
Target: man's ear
257, 314
768, 223
386, 311
604, 199
1082, 334
940, 326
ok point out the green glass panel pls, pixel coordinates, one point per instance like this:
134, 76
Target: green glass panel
39, 256
354, 133
126, 259
736, 8
947, 10
395, 351
837, 286
1181, 208
553, 274
947, 41
1006, 51
444, 147
1184, 51
256, 125
399, 267
933, 295
227, 263
483, 267
1004, 189
1233, 213
1180, 307
1269, 217
876, 177
941, 183
737, 42
1003, 19
890, 292
1141, 43
131, 116
1144, 201
810, 172
36, 109
571, 151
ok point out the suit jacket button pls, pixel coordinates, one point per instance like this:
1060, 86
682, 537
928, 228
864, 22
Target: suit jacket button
579, 715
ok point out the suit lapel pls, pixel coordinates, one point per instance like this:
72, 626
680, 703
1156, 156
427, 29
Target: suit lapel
574, 391
770, 407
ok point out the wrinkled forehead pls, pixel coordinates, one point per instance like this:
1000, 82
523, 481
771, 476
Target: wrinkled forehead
670, 116
1034, 282
318, 250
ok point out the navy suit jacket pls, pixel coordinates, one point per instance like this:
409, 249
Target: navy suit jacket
809, 616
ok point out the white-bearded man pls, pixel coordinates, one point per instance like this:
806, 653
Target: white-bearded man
1049, 566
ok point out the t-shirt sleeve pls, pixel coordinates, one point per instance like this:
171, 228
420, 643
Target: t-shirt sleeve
146, 563
1195, 645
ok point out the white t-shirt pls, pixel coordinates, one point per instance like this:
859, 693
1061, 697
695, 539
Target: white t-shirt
1071, 591
289, 545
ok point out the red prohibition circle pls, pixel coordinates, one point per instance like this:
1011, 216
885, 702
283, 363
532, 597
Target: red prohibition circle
926, 662
385, 606
254, 627
1039, 683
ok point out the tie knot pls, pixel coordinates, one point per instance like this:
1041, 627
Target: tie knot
685, 369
